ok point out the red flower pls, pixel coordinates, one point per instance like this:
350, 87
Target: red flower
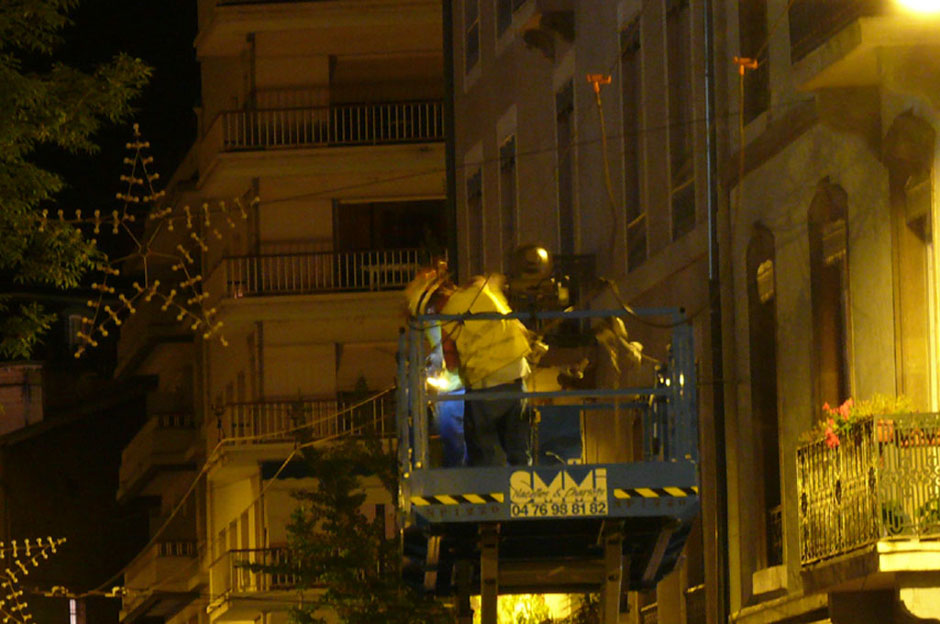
832, 440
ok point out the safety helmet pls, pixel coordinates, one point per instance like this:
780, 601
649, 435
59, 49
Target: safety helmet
418, 292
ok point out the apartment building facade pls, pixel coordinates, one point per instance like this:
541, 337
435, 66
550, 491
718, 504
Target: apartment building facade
320, 162
825, 219
613, 185
830, 293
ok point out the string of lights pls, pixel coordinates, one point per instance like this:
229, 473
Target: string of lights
141, 202
20, 558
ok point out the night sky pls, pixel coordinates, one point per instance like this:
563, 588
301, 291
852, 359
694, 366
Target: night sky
161, 33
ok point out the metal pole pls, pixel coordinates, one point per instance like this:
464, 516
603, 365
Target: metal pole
450, 158
714, 294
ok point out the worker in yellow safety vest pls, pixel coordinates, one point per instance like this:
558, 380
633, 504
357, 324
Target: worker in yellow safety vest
489, 355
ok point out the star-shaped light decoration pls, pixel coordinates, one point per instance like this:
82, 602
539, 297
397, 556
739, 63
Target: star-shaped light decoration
16, 560
141, 201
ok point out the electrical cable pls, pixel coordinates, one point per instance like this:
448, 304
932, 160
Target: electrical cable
214, 456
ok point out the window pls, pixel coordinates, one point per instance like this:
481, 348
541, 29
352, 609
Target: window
507, 198
679, 52
75, 325
909, 148
752, 34
631, 81
829, 287
475, 222
564, 135
504, 11
384, 225
762, 334
471, 24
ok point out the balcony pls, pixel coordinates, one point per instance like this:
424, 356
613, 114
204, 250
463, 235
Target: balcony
333, 26
257, 432
266, 422
858, 43
160, 581
336, 145
307, 273
147, 327
870, 507
350, 124
240, 593
161, 446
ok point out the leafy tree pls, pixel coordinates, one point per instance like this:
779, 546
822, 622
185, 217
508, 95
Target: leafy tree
353, 568
46, 103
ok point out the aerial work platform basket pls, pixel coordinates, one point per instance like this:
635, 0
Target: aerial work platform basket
560, 525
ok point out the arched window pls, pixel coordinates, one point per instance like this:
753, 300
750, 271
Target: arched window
762, 330
908, 155
829, 285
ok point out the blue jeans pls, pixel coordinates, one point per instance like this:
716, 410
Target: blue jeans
497, 431
450, 424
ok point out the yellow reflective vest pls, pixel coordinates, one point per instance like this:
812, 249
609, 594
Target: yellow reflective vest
488, 346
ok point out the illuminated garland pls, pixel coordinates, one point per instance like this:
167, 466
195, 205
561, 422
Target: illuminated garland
17, 560
187, 297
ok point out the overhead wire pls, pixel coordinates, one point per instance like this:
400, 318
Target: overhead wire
602, 139
212, 458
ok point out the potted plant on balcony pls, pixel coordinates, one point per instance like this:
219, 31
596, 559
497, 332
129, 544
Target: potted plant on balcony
838, 422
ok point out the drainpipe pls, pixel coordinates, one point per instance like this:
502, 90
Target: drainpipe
714, 295
450, 160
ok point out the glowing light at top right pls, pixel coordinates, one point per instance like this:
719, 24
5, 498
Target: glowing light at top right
921, 6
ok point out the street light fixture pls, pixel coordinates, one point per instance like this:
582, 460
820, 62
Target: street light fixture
926, 7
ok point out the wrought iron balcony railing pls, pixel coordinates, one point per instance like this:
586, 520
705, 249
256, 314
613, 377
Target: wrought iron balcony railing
880, 482
260, 422
295, 274
334, 125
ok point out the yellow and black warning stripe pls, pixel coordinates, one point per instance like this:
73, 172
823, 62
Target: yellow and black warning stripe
458, 499
663, 492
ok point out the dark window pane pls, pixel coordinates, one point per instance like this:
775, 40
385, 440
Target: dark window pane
683, 210
636, 243
503, 15
631, 86
475, 222
507, 197
564, 129
752, 35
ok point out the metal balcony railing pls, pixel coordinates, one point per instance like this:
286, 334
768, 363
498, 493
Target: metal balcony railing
649, 614
293, 274
338, 124
241, 578
260, 422
880, 482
